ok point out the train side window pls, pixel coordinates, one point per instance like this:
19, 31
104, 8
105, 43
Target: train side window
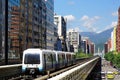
63, 56
59, 57
67, 57
54, 58
48, 58
70, 57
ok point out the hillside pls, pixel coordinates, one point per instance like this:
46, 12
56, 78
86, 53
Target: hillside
98, 38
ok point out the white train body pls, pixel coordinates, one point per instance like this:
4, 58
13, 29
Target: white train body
37, 61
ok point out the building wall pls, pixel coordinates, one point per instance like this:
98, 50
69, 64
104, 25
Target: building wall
26, 27
108, 46
50, 24
13, 34
74, 38
113, 40
118, 33
33, 24
92, 48
1, 27
87, 46
105, 48
83, 46
55, 36
61, 24
13, 28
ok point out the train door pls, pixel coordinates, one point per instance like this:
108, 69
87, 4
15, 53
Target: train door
63, 59
48, 61
54, 60
44, 62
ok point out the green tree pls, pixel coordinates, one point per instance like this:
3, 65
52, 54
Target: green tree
109, 56
117, 60
80, 54
114, 58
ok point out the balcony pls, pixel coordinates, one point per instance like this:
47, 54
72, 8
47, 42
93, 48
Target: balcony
15, 23
15, 19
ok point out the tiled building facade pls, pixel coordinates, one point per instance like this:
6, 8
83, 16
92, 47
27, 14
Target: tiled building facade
118, 33
30, 25
13, 34
33, 24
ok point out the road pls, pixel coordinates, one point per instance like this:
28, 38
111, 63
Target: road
107, 67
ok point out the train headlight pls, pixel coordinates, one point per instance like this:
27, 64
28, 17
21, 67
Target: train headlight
23, 68
40, 68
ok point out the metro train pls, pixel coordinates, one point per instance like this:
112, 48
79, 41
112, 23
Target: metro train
38, 61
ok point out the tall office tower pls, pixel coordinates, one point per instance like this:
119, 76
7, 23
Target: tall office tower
118, 33
33, 24
50, 26
61, 24
13, 28
2, 28
9, 29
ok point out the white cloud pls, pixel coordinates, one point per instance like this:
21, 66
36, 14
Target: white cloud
69, 18
115, 13
89, 22
85, 17
113, 24
76, 29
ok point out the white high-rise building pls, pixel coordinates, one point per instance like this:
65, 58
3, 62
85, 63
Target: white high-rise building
61, 24
74, 38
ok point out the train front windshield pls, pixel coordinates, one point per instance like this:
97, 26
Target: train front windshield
32, 59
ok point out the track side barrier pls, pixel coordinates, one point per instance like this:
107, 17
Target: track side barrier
9, 70
78, 73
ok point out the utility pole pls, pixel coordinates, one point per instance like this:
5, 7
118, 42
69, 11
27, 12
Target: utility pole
6, 31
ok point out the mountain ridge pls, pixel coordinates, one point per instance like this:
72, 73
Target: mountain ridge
98, 38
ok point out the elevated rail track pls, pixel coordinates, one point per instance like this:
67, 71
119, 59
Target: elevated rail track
81, 70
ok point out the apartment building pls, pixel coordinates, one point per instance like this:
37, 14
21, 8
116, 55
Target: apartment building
75, 39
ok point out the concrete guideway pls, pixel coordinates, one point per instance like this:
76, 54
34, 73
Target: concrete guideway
78, 73
9, 70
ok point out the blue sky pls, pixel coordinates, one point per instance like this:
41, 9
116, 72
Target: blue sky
88, 15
